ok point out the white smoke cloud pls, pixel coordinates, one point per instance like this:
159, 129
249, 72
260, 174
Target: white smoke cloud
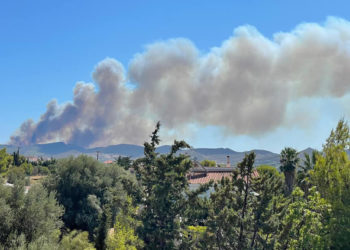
243, 86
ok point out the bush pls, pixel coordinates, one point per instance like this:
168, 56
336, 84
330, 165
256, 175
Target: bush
208, 163
88, 190
26, 218
15, 174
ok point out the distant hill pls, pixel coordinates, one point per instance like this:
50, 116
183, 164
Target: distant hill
57, 148
134, 151
305, 151
165, 149
60, 150
215, 151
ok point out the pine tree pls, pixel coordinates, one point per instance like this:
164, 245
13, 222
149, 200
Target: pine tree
245, 210
230, 214
164, 181
267, 207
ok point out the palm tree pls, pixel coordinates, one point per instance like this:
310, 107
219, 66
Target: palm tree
289, 162
304, 171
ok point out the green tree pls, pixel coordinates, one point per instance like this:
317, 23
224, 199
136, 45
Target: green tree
15, 174
27, 218
124, 162
44, 242
331, 176
245, 210
289, 162
76, 240
43, 170
27, 167
123, 236
91, 193
40, 213
303, 174
208, 163
164, 181
267, 186
17, 158
5, 160
306, 224
194, 238
230, 220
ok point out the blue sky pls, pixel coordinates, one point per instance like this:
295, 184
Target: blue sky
47, 46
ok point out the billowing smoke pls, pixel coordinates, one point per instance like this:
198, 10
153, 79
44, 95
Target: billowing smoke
93, 118
244, 87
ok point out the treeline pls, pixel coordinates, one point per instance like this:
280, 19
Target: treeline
147, 204
15, 166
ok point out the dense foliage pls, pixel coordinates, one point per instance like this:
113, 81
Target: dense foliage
331, 176
165, 188
289, 163
80, 203
208, 163
28, 217
91, 192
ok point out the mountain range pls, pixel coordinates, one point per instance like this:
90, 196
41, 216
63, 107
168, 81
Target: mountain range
61, 150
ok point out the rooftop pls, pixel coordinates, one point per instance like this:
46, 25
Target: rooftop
202, 175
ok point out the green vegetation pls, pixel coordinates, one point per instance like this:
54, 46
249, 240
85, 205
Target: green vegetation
76, 240
91, 192
306, 222
123, 235
164, 182
33, 217
5, 160
331, 176
124, 162
147, 203
289, 164
208, 163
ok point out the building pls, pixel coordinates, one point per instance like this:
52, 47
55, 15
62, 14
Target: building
201, 175
206, 174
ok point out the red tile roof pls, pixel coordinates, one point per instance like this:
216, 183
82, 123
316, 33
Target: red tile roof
215, 176
208, 174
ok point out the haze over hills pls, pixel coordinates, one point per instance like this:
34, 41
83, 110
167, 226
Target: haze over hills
60, 150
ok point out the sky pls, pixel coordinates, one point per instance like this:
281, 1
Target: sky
46, 47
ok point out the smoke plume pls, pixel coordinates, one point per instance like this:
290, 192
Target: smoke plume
243, 86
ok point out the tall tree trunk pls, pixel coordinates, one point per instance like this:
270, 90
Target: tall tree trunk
240, 239
289, 177
256, 227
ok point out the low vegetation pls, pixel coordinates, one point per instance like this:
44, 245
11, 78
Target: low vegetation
208, 163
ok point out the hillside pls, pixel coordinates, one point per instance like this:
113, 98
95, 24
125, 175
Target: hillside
61, 150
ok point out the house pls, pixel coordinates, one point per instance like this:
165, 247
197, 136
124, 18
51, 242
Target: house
203, 175
200, 174
32, 158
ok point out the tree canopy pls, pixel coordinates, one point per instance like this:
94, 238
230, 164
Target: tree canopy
88, 190
148, 203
